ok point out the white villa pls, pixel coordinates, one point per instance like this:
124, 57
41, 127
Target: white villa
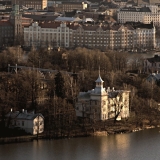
102, 104
30, 122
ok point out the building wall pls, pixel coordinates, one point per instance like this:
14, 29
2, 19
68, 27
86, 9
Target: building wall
36, 36
36, 4
152, 67
38, 125
124, 17
101, 107
6, 34
155, 18
144, 17
69, 36
70, 6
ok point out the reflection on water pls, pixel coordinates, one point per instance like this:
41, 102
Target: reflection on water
143, 145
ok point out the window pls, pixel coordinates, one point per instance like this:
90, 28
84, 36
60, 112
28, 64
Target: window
22, 123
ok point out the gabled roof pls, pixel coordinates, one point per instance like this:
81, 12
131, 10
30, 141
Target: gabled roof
28, 116
23, 115
135, 9
68, 19
49, 24
154, 59
153, 76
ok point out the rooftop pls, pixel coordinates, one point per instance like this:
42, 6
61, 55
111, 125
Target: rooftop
135, 9
156, 58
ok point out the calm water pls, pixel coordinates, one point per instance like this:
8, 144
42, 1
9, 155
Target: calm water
143, 145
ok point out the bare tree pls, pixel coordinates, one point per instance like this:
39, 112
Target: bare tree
117, 104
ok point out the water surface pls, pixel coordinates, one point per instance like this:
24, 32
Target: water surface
143, 145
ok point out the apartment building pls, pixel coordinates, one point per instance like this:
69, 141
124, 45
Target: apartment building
47, 34
69, 6
155, 18
6, 33
145, 14
69, 35
132, 14
36, 4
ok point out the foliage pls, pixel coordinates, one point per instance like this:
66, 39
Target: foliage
23, 90
59, 85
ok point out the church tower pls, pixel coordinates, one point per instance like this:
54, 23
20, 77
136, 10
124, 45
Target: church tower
101, 96
16, 20
99, 85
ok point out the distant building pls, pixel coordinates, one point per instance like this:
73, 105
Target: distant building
154, 78
11, 27
102, 104
152, 65
30, 122
132, 14
69, 6
69, 35
36, 4
68, 19
145, 14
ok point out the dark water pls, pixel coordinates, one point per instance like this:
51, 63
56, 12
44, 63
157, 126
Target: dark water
143, 145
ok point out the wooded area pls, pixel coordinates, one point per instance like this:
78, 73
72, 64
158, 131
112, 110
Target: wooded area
54, 95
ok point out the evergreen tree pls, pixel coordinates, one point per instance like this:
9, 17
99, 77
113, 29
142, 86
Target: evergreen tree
59, 85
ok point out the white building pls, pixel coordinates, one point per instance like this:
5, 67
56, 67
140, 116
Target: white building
145, 15
30, 122
132, 14
102, 104
47, 34
66, 34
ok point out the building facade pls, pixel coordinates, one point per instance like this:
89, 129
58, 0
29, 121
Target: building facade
50, 34
132, 14
6, 33
101, 104
71, 35
69, 6
16, 20
11, 27
139, 14
36, 4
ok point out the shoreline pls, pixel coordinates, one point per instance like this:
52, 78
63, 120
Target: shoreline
29, 138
